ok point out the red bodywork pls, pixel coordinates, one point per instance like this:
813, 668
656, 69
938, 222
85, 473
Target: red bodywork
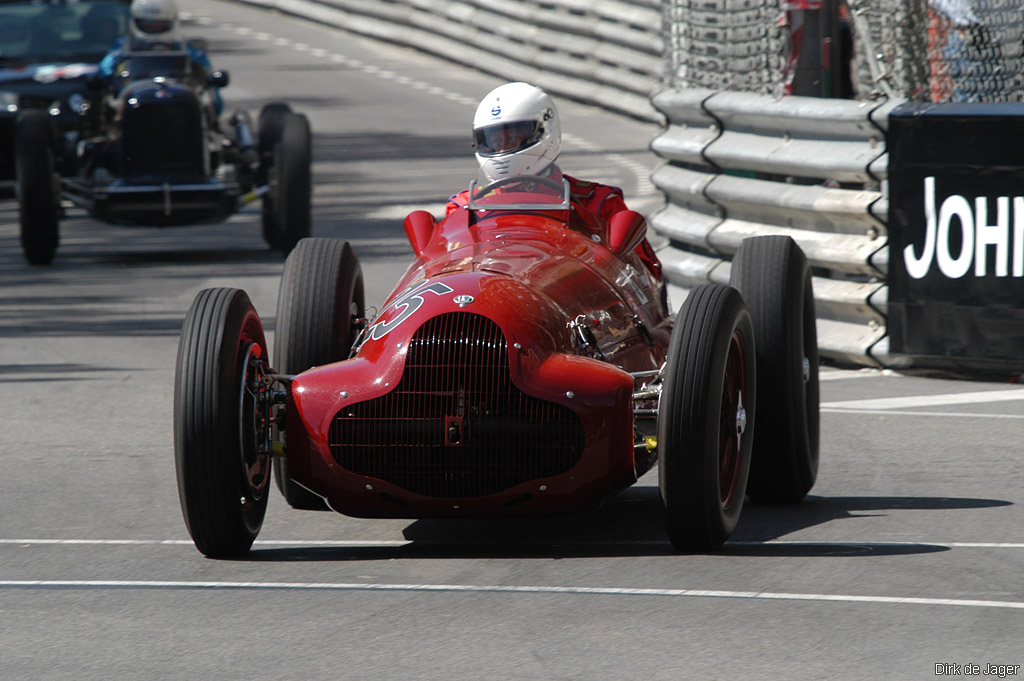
473, 393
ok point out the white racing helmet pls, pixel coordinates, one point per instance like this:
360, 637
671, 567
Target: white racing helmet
516, 131
154, 21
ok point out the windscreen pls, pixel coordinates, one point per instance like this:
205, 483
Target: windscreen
520, 193
41, 32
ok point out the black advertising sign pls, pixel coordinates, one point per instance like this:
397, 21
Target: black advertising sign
956, 235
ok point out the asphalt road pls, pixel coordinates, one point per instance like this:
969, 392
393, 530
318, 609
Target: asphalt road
908, 554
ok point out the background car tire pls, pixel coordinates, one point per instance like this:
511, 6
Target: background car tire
38, 186
270, 125
772, 274
287, 205
703, 459
218, 331
321, 293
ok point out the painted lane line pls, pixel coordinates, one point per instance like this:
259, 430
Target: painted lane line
399, 211
188, 542
840, 375
1005, 395
499, 589
941, 414
343, 543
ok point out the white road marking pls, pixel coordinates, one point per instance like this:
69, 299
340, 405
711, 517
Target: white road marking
473, 588
839, 375
1005, 395
398, 212
941, 414
384, 543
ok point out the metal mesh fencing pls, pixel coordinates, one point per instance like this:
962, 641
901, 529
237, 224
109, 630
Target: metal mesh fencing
919, 50
724, 45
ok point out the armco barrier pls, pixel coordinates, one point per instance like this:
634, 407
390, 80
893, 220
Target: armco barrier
606, 52
743, 164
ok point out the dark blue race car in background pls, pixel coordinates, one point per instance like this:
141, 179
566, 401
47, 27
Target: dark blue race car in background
143, 146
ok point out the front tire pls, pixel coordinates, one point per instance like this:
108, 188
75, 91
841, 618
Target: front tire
321, 295
705, 418
773, 275
38, 187
223, 472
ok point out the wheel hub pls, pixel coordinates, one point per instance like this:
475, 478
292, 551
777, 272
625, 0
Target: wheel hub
254, 424
741, 415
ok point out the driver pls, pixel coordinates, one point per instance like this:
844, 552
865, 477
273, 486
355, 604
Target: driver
516, 132
153, 25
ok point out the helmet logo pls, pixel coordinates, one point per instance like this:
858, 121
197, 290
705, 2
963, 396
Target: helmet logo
549, 114
496, 110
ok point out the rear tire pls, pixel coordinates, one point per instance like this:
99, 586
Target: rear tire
223, 477
705, 419
38, 187
270, 126
772, 274
321, 294
287, 205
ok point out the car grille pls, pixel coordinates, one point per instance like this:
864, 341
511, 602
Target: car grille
457, 386
36, 102
163, 142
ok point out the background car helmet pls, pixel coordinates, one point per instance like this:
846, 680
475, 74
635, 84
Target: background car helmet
154, 21
516, 131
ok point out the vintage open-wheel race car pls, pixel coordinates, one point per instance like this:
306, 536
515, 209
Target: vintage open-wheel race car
525, 364
149, 150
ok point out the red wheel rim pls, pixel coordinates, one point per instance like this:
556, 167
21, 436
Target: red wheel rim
732, 421
253, 421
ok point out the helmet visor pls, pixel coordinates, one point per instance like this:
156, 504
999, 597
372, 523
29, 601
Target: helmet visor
506, 138
154, 26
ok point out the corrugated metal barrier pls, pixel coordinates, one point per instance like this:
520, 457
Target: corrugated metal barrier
741, 164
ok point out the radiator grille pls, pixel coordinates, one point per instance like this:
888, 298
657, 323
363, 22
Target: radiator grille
457, 386
163, 141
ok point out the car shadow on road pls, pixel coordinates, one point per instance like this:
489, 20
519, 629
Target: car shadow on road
631, 524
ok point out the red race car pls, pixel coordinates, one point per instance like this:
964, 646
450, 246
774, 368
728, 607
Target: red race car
525, 364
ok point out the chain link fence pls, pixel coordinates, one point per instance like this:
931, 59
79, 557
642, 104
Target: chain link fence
918, 50
724, 45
